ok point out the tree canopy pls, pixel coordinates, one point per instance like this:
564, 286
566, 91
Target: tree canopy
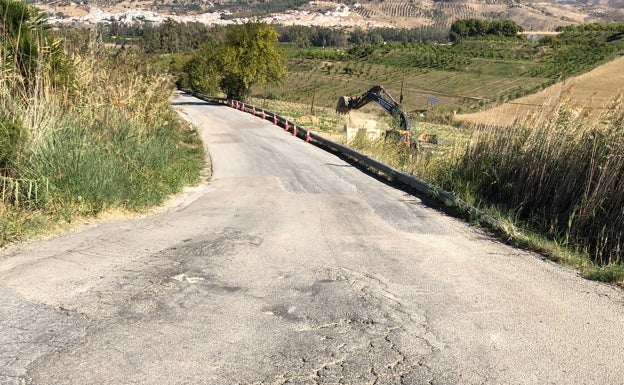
248, 55
478, 28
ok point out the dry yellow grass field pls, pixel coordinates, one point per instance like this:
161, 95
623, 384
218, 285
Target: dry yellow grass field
591, 93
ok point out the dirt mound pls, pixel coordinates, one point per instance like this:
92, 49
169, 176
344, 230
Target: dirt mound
308, 119
593, 92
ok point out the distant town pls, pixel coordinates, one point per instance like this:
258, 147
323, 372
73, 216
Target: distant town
341, 16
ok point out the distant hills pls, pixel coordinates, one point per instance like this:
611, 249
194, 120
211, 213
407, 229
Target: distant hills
544, 16
536, 16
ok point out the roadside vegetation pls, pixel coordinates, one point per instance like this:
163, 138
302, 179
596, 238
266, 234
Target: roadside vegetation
561, 175
246, 56
82, 128
555, 183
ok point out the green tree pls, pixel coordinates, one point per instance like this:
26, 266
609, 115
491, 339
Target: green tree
170, 36
247, 56
250, 56
477, 28
201, 70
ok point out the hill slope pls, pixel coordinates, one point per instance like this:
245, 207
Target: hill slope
543, 16
592, 92
533, 16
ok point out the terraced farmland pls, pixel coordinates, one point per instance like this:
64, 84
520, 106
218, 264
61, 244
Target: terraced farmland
592, 93
454, 90
439, 14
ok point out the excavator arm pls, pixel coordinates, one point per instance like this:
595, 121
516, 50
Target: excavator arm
379, 95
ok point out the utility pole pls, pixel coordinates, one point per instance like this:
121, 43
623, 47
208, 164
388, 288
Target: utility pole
313, 96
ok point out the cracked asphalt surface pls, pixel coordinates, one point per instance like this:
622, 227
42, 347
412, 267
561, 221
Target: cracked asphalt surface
292, 267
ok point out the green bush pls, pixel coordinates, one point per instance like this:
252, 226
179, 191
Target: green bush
12, 138
100, 163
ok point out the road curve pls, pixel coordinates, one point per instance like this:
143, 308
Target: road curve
293, 267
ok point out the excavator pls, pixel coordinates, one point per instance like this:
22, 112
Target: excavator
382, 97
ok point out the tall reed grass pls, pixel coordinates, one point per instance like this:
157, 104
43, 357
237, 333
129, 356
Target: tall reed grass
99, 133
562, 173
559, 173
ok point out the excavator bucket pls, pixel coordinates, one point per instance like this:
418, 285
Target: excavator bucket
343, 105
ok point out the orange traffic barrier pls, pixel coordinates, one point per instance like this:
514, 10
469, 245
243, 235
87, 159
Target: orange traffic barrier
308, 138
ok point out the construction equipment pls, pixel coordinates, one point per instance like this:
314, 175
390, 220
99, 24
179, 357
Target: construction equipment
382, 97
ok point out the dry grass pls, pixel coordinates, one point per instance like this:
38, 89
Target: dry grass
591, 94
101, 136
562, 174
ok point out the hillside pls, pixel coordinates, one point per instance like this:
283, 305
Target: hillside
533, 16
592, 92
543, 16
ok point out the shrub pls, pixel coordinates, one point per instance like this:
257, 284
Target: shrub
108, 139
32, 57
103, 161
12, 138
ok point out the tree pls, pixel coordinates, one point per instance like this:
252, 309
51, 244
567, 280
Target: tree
169, 36
250, 56
477, 28
247, 56
201, 70
298, 34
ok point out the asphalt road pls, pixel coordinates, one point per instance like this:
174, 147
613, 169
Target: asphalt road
293, 267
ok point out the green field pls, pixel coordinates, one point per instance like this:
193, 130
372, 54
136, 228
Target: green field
459, 90
463, 77
482, 82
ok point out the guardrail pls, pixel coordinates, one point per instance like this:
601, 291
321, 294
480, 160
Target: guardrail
390, 173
